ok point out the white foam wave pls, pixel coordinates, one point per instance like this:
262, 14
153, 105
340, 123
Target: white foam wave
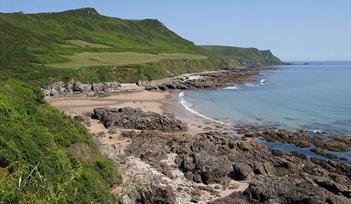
317, 131
231, 88
250, 85
194, 77
187, 105
262, 82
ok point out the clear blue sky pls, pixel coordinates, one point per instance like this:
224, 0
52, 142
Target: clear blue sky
293, 30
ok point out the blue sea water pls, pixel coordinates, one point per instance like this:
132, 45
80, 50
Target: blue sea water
312, 96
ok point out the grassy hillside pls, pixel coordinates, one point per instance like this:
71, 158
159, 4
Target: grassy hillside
45, 156
243, 56
40, 47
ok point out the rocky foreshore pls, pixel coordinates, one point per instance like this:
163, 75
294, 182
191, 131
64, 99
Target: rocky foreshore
210, 79
211, 167
318, 142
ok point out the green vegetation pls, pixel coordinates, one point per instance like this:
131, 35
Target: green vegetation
89, 59
31, 42
46, 156
46, 47
243, 56
82, 43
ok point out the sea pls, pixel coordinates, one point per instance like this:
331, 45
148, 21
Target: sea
314, 96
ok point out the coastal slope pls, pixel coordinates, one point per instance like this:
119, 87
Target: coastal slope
243, 56
85, 45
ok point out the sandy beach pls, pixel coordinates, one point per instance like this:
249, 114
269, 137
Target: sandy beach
146, 100
158, 102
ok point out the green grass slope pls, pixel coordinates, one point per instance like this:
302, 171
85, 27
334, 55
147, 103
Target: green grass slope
45, 36
46, 156
84, 45
31, 43
243, 56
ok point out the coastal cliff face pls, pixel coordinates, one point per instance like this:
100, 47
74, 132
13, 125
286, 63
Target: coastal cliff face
243, 56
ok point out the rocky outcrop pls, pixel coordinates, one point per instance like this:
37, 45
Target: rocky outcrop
77, 88
135, 118
210, 79
315, 142
203, 80
297, 138
273, 176
284, 190
212, 159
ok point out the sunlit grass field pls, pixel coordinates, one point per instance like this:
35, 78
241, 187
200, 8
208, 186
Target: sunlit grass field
89, 59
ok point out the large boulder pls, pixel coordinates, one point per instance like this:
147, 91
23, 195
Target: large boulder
135, 118
241, 171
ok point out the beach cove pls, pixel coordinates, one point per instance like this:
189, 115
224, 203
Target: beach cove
154, 156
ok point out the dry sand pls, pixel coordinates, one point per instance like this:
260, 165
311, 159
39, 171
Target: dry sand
158, 102
147, 101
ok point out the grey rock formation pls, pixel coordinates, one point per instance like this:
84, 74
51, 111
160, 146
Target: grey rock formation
135, 118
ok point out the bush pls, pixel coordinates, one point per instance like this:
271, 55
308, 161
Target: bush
35, 161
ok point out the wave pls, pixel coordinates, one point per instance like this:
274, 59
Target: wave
262, 82
187, 105
231, 88
316, 131
247, 84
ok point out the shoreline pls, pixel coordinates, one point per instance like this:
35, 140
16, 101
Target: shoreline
202, 163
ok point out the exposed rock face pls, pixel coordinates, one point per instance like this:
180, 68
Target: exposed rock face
241, 172
275, 177
271, 189
156, 192
214, 159
72, 88
135, 118
297, 138
150, 146
300, 139
203, 80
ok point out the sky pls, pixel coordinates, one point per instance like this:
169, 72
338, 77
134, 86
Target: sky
292, 30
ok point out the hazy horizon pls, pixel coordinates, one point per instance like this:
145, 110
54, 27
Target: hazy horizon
293, 31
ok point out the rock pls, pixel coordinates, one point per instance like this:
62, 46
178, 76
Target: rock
83, 119
318, 142
151, 87
53, 92
297, 138
234, 198
112, 130
299, 155
263, 168
77, 87
135, 118
241, 172
158, 193
317, 150
338, 145
268, 189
